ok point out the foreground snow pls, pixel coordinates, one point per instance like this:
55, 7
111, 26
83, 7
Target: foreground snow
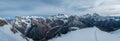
7, 35
88, 34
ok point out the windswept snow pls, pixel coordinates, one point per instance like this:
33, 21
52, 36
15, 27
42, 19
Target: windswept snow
7, 35
88, 34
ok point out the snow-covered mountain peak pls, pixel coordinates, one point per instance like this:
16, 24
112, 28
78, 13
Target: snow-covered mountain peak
60, 16
19, 20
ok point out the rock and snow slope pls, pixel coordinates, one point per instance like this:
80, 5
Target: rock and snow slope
87, 34
7, 35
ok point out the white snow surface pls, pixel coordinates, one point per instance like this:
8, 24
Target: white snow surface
7, 35
116, 33
87, 34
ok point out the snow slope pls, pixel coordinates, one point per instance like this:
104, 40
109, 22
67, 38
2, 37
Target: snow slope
7, 35
87, 34
116, 33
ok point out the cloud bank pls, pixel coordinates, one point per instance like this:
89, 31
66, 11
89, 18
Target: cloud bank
49, 7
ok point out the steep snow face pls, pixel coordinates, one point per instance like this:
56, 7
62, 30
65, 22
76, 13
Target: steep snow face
88, 34
7, 35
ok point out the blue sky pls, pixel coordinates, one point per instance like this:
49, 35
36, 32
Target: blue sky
50, 7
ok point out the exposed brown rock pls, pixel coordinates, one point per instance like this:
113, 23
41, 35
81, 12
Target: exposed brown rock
2, 22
